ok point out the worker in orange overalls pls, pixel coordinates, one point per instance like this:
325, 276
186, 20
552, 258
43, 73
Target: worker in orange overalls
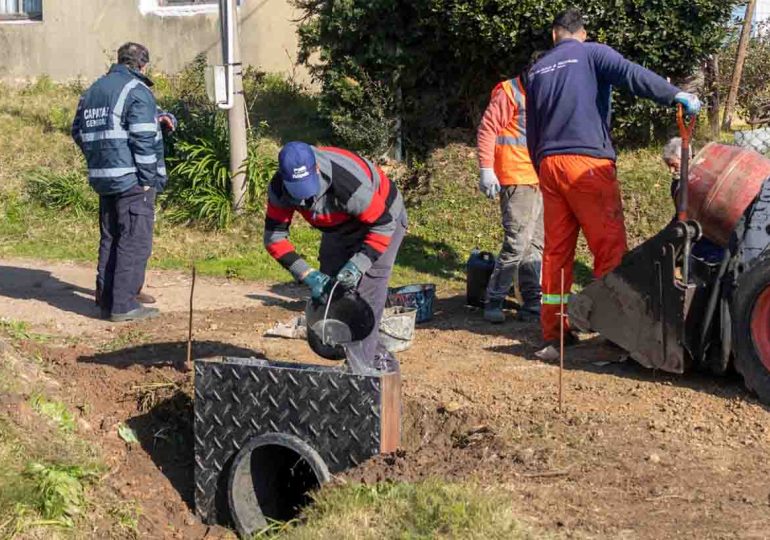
507, 170
568, 133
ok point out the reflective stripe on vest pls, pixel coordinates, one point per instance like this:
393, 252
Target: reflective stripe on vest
507, 140
512, 163
517, 93
554, 299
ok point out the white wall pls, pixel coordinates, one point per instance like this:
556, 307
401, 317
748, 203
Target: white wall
78, 38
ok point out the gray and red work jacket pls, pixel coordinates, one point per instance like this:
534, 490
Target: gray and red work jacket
356, 198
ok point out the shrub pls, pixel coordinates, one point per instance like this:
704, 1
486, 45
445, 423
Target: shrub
199, 179
445, 56
62, 191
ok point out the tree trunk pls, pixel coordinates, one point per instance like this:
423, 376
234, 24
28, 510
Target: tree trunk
740, 59
712, 87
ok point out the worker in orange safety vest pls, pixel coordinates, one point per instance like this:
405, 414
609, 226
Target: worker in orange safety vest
507, 171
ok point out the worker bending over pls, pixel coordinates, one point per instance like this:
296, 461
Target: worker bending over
568, 134
360, 212
507, 170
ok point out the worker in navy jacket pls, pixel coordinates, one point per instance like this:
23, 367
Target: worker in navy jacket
361, 214
118, 128
568, 134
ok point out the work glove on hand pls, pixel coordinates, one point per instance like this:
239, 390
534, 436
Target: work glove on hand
319, 285
167, 122
349, 276
489, 185
690, 102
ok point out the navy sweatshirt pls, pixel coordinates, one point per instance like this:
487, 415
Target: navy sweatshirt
569, 98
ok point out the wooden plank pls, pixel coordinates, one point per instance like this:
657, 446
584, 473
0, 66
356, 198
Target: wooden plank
390, 412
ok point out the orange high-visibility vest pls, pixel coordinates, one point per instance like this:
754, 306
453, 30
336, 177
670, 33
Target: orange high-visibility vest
512, 163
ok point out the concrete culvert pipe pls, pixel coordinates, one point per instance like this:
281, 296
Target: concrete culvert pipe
271, 479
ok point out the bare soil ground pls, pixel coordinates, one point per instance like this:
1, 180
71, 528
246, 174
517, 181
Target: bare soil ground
635, 454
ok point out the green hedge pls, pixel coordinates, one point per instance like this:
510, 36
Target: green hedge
432, 63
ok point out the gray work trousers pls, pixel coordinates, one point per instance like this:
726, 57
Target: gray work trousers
521, 255
335, 251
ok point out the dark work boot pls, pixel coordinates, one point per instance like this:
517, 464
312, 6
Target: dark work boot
529, 312
144, 298
493, 311
135, 314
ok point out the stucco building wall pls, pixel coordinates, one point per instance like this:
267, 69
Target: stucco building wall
78, 38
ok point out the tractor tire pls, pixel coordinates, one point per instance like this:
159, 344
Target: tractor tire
750, 310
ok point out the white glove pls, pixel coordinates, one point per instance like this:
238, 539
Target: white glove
489, 185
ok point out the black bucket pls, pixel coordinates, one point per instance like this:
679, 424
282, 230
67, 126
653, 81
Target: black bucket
349, 319
271, 480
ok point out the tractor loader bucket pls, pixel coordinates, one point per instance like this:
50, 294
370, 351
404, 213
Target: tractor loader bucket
642, 306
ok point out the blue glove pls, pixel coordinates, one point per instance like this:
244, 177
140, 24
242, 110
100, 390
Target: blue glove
489, 185
167, 121
690, 102
349, 276
319, 285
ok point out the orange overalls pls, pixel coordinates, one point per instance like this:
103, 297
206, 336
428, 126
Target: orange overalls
579, 192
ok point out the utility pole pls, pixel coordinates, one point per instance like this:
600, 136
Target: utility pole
740, 59
236, 104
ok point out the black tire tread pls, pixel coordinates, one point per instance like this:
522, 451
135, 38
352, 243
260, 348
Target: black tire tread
747, 362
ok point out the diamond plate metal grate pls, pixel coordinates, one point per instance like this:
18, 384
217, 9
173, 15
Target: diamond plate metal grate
237, 399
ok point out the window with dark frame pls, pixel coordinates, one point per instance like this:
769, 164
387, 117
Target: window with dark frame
21, 10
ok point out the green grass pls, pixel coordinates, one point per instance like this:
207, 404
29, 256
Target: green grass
16, 330
58, 491
48, 476
125, 339
426, 510
448, 218
42, 485
56, 411
19, 330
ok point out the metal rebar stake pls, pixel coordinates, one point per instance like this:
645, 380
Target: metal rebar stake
190, 322
561, 343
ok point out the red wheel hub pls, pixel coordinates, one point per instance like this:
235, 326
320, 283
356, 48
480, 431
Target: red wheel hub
760, 327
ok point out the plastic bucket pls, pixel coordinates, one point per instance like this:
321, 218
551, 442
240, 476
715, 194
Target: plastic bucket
419, 297
724, 181
397, 328
349, 319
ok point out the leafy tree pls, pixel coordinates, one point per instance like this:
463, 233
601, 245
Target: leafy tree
431, 63
754, 91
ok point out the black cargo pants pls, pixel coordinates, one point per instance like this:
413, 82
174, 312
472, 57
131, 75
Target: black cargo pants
126, 222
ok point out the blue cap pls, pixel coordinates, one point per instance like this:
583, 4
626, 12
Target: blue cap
298, 170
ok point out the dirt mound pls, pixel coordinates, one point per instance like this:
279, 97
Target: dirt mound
634, 454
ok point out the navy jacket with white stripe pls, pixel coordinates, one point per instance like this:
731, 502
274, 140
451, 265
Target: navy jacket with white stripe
116, 126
